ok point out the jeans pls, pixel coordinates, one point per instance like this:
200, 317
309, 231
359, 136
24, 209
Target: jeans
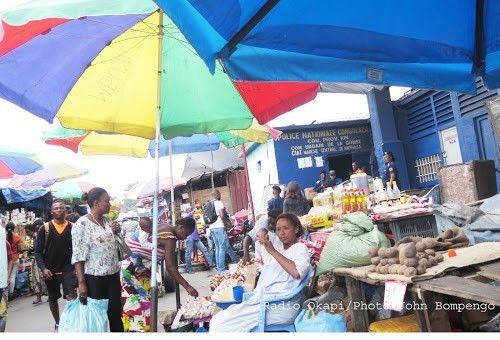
211, 248
230, 251
219, 237
196, 244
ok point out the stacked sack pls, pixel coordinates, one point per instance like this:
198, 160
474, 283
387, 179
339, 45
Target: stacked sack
348, 245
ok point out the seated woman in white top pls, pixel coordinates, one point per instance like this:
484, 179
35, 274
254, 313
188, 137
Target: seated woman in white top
283, 270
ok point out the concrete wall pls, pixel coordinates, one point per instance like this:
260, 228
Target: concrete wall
266, 175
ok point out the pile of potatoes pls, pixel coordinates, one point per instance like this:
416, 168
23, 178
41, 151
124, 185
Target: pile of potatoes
409, 259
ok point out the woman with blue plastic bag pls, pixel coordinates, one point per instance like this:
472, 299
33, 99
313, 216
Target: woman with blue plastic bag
283, 270
95, 256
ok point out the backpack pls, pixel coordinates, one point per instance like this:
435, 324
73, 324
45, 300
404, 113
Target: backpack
209, 213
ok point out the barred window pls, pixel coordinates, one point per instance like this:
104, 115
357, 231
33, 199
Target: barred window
427, 168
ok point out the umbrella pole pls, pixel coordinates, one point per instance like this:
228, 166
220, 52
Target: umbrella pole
212, 177
172, 213
247, 179
154, 257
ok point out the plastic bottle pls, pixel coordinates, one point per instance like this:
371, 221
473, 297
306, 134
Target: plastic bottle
395, 190
201, 328
361, 201
346, 204
353, 200
390, 193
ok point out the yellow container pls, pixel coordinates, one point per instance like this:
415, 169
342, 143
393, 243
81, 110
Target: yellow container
402, 324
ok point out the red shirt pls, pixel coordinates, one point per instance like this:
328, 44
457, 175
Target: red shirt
9, 249
16, 241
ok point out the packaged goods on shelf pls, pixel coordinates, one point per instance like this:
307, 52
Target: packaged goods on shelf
319, 217
354, 200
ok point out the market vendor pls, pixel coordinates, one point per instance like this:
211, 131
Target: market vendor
390, 170
356, 169
320, 184
332, 181
267, 222
283, 270
168, 238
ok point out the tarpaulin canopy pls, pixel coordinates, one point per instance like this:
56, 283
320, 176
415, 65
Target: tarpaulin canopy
417, 43
12, 196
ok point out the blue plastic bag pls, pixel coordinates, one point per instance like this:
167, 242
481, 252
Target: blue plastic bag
22, 282
80, 318
323, 322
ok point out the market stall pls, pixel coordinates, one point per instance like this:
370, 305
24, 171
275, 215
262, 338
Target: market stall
227, 289
450, 276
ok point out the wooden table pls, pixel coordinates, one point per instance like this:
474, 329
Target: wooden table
360, 318
426, 294
473, 287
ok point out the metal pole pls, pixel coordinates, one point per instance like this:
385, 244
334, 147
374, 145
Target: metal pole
172, 203
212, 177
172, 213
154, 257
247, 178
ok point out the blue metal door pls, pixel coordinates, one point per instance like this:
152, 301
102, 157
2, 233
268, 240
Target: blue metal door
488, 145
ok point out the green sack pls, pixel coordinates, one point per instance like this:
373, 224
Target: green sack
348, 246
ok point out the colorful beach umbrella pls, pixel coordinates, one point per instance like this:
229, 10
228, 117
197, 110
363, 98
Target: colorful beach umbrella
414, 43
52, 173
96, 143
14, 162
119, 66
105, 77
71, 190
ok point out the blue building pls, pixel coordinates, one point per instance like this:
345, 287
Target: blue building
429, 129
301, 152
425, 130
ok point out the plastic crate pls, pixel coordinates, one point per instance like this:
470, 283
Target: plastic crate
384, 227
423, 226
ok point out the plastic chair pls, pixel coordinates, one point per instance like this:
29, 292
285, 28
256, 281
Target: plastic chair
264, 306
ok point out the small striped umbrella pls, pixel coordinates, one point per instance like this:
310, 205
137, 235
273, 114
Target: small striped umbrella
13, 162
72, 190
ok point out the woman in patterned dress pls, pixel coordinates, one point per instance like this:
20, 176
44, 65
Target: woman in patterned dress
95, 256
37, 281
